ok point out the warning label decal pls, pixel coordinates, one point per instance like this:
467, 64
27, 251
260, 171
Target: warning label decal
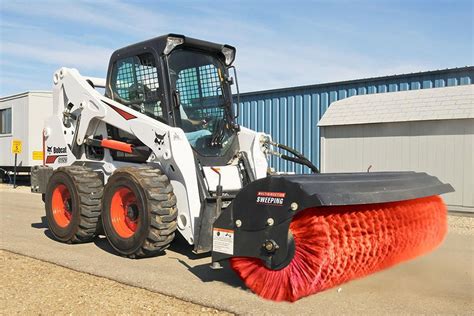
223, 241
37, 155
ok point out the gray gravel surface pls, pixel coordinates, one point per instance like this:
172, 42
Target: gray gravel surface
31, 286
463, 225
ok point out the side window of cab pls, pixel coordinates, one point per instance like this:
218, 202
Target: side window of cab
135, 83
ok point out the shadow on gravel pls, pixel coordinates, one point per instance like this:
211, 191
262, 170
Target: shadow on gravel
206, 274
102, 243
203, 271
41, 224
50, 235
181, 246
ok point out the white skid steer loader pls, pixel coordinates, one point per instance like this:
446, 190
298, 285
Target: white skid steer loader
161, 152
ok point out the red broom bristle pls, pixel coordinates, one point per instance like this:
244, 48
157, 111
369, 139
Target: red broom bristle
341, 243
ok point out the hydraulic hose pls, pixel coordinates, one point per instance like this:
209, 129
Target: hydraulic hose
289, 149
299, 158
300, 161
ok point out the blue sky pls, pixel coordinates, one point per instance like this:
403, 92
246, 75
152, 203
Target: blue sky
279, 43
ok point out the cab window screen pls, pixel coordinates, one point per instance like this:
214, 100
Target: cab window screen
124, 77
197, 83
135, 83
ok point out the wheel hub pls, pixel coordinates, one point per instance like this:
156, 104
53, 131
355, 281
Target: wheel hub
132, 212
124, 212
68, 207
61, 204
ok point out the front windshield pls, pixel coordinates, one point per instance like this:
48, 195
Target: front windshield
199, 81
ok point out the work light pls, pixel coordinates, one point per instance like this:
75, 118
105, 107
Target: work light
172, 42
229, 53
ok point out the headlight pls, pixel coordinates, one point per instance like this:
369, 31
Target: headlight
171, 43
229, 54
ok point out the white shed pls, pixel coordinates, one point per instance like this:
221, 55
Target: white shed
22, 118
428, 130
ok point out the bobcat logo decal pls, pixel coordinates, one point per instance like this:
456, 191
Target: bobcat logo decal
49, 149
160, 139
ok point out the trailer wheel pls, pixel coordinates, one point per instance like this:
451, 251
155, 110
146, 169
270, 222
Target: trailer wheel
73, 202
139, 211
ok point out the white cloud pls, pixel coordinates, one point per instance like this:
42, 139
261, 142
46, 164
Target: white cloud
29, 45
79, 56
108, 15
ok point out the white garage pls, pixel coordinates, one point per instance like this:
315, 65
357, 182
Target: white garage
428, 130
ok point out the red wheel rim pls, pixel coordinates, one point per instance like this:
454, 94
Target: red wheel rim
124, 212
61, 205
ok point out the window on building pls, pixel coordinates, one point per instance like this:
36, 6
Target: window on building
6, 121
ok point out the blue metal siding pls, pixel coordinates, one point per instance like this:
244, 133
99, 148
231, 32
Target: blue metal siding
291, 115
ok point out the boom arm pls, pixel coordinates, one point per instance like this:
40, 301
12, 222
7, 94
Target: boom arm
76, 100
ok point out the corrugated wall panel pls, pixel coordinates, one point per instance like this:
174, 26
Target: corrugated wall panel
441, 148
291, 115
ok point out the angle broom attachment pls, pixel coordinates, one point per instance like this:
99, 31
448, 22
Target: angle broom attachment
336, 244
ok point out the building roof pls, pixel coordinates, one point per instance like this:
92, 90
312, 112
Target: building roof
415, 105
460, 71
23, 94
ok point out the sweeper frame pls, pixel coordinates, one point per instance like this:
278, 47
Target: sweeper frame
258, 221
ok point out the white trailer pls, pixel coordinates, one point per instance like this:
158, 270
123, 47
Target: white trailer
22, 118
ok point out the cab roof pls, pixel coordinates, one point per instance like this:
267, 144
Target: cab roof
159, 43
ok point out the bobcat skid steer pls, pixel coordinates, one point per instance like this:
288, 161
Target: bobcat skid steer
161, 152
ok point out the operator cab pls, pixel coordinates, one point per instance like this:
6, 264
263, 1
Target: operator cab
182, 82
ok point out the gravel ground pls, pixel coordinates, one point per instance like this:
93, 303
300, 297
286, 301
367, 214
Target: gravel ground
463, 225
31, 286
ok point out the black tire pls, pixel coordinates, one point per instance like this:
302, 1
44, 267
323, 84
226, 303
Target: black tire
4, 177
85, 190
146, 197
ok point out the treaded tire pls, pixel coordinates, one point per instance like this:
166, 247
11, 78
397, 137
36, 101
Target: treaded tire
153, 211
84, 189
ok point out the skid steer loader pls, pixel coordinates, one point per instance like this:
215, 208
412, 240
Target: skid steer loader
161, 152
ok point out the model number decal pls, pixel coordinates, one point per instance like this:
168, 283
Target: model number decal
53, 158
271, 198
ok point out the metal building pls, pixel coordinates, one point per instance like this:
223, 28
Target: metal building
426, 130
291, 115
